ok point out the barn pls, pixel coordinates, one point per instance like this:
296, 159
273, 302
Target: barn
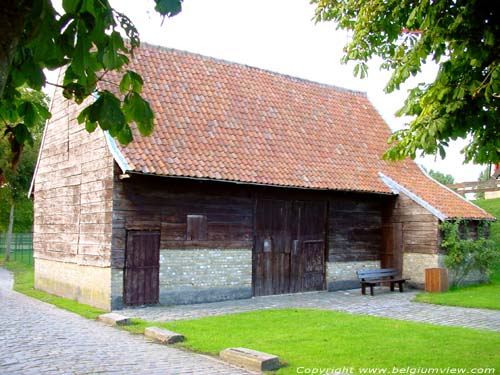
253, 183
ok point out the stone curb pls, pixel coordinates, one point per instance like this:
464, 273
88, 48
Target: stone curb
250, 359
114, 319
163, 335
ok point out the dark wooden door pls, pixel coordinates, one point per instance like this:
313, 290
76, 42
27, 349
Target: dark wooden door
309, 246
142, 268
271, 253
391, 255
289, 246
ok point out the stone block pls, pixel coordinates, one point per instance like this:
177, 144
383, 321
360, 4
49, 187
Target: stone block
250, 359
114, 319
163, 335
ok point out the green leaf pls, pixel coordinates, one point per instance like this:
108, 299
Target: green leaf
81, 55
90, 126
108, 113
137, 81
112, 59
27, 112
22, 134
137, 109
71, 6
168, 8
125, 135
125, 83
131, 81
88, 6
87, 117
33, 73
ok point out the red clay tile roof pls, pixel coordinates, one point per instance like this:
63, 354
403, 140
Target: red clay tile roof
226, 121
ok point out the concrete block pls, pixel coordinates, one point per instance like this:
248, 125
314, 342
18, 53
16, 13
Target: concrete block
114, 319
163, 335
250, 359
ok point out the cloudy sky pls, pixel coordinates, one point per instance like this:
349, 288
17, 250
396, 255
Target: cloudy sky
279, 35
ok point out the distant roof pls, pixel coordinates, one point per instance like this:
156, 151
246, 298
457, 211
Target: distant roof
226, 121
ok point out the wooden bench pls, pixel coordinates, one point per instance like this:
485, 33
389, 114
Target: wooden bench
372, 278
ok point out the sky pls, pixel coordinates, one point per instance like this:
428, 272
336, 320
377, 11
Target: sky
280, 35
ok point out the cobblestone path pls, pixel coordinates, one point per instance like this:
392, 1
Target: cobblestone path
38, 338
384, 304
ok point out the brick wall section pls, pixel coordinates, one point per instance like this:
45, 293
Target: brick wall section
342, 275
203, 275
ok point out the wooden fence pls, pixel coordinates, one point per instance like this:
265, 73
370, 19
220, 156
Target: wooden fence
476, 186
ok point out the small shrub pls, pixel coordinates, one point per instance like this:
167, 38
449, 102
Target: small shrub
466, 254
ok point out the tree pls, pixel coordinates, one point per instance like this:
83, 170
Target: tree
19, 178
462, 36
90, 39
445, 179
485, 175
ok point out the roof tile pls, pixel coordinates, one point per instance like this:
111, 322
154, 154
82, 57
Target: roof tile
226, 121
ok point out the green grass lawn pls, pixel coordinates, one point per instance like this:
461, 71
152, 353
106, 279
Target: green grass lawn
493, 207
484, 296
24, 281
326, 339
305, 338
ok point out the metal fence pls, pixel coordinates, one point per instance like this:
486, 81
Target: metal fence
21, 248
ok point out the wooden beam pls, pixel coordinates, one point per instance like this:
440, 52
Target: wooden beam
476, 184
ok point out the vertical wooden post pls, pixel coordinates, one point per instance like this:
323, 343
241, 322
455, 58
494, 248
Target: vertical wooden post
8, 243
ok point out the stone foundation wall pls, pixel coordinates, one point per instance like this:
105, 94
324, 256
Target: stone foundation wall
83, 283
414, 265
205, 275
116, 288
342, 275
474, 277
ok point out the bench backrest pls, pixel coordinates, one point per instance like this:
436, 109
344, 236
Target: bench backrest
377, 274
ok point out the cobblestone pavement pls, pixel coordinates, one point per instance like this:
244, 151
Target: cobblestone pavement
37, 338
384, 304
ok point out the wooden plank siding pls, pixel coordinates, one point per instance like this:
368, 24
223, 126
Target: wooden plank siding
73, 191
355, 228
420, 228
155, 203
165, 204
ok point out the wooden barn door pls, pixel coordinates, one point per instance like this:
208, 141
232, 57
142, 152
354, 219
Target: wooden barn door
142, 268
271, 253
308, 254
289, 246
391, 255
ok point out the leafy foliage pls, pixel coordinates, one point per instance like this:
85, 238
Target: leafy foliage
465, 254
462, 37
19, 178
445, 179
88, 39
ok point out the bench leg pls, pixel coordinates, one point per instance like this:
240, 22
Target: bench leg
371, 290
363, 289
392, 286
401, 286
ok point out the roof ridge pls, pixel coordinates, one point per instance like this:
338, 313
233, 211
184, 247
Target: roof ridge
251, 67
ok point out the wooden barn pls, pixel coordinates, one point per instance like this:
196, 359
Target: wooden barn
253, 183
